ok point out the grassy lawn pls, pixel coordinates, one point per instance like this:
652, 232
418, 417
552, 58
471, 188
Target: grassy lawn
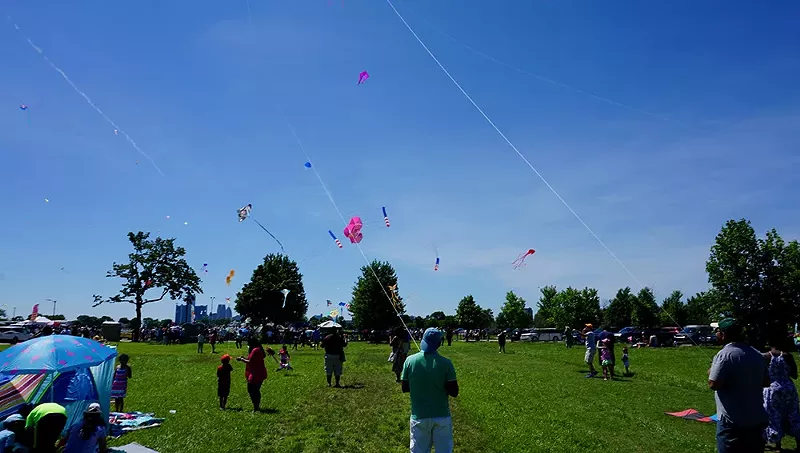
533, 399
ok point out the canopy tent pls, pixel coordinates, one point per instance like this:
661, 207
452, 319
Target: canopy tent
73, 372
330, 325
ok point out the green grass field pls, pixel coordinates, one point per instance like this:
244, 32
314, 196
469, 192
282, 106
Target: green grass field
532, 399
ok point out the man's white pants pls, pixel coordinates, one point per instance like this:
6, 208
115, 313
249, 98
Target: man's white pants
432, 432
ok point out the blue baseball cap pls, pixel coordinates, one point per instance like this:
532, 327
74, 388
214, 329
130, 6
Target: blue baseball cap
431, 340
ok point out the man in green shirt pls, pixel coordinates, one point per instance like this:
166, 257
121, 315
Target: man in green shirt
431, 379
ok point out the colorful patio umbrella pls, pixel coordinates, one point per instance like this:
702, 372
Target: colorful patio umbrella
53, 353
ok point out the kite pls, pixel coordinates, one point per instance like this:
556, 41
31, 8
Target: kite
393, 293
307, 164
347, 306
329, 302
116, 131
436, 266
227, 300
205, 267
341, 304
46, 200
385, 217
334, 313
353, 230
230, 277
23, 107
520, 261
338, 242
244, 213
362, 77
285, 293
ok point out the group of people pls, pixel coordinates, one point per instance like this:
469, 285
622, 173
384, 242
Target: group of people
37, 429
605, 343
756, 399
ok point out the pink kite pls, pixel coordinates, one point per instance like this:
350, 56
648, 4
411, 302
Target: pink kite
362, 77
353, 230
520, 261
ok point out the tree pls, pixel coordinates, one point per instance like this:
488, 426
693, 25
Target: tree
547, 307
370, 307
513, 313
487, 319
645, 309
673, 311
470, 315
51, 317
755, 280
155, 268
124, 321
620, 311
261, 299
587, 309
698, 308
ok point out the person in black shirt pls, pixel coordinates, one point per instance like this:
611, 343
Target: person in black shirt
334, 356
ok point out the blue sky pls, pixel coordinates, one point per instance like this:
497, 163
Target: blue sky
701, 127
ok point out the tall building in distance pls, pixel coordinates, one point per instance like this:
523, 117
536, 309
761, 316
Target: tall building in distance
181, 316
223, 312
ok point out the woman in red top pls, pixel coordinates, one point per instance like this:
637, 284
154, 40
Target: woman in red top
255, 371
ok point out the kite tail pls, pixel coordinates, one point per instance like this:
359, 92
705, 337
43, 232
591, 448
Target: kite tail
273, 236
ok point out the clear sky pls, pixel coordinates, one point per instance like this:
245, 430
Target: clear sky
695, 121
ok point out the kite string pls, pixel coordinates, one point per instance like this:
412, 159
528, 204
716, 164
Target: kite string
86, 97
522, 156
503, 136
547, 79
273, 236
338, 211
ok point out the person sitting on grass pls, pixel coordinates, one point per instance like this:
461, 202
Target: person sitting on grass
224, 380
119, 386
284, 357
44, 426
89, 434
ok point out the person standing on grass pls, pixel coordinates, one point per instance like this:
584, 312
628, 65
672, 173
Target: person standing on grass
255, 372
224, 380
738, 375
400, 347
430, 379
119, 385
200, 340
334, 353
591, 347
449, 336
780, 398
501, 341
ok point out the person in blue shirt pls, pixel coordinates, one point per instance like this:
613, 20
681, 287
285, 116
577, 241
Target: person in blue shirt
88, 435
431, 380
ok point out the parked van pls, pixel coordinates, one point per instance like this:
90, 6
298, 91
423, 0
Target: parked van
543, 334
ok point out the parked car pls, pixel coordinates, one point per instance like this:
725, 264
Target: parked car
695, 334
15, 334
542, 334
630, 331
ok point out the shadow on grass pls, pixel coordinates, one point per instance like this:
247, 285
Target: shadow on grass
268, 410
354, 386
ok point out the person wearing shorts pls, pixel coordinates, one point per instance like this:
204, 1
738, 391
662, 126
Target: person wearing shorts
591, 348
334, 352
431, 380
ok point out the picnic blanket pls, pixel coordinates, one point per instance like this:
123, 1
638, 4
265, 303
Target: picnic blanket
694, 414
123, 422
132, 448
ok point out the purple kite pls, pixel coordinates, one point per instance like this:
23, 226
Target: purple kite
362, 77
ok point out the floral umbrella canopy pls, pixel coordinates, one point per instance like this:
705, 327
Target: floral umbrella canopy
53, 353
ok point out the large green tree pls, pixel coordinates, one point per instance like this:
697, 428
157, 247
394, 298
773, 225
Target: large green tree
620, 310
698, 308
673, 310
154, 269
470, 315
513, 313
547, 307
645, 309
261, 299
371, 306
755, 280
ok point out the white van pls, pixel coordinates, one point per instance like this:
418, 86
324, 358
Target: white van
543, 334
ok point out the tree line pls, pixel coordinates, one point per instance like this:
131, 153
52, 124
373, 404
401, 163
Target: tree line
756, 280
